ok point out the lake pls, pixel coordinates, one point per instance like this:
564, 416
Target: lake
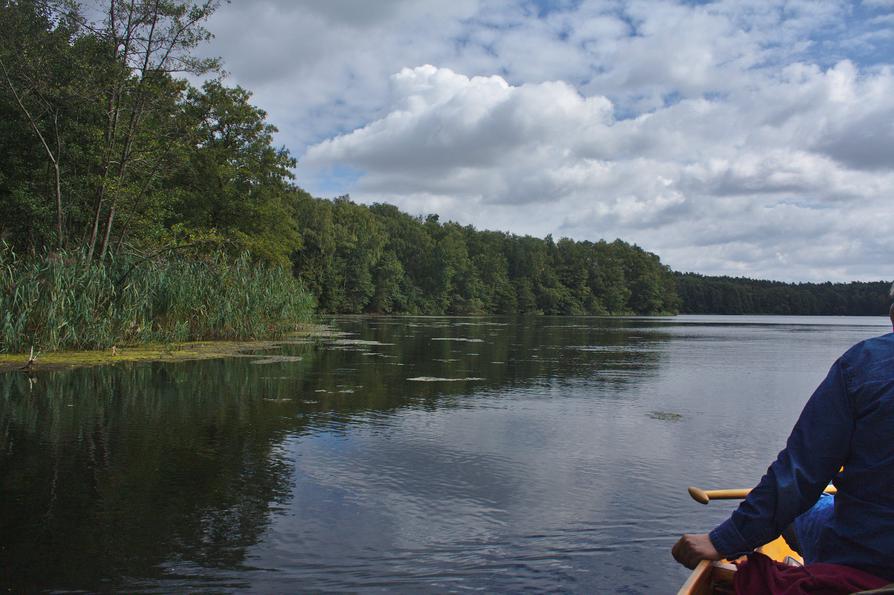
405, 454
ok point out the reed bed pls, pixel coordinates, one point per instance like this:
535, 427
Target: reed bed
58, 301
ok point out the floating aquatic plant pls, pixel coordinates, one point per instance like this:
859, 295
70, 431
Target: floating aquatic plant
665, 415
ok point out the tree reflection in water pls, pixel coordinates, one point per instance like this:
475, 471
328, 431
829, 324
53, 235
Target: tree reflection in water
139, 474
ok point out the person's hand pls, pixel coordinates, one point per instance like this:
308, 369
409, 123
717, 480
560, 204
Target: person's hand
692, 549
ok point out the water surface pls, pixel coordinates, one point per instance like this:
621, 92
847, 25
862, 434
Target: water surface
410, 454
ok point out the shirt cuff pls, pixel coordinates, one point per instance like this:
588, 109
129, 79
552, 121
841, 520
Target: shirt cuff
728, 541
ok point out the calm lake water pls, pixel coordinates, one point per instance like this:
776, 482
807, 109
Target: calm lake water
409, 455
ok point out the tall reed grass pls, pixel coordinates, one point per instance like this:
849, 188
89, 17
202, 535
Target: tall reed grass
60, 302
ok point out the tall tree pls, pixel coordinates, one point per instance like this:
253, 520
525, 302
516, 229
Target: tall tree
39, 74
146, 41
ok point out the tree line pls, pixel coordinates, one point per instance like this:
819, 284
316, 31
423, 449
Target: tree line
377, 259
701, 294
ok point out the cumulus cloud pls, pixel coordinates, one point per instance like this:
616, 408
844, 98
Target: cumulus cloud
740, 137
723, 185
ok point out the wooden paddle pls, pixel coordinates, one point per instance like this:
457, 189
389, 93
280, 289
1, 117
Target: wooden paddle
705, 496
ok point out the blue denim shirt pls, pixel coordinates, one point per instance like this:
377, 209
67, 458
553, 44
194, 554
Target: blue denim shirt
848, 421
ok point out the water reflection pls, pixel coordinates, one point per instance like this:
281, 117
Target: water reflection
108, 473
536, 462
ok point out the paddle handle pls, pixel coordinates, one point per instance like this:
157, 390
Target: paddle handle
705, 496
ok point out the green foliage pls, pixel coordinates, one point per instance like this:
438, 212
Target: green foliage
377, 259
701, 294
230, 177
140, 156
59, 301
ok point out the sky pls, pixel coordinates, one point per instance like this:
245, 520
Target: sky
745, 138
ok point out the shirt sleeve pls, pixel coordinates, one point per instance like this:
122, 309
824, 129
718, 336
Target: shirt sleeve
814, 452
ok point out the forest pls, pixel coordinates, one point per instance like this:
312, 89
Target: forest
121, 182
701, 294
377, 259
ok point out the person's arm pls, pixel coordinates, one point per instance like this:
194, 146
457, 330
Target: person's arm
816, 449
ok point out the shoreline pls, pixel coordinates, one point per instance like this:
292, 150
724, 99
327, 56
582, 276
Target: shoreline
158, 352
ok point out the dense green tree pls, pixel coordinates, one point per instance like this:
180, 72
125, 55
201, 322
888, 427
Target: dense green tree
311, 263
575, 262
607, 281
412, 246
231, 178
388, 277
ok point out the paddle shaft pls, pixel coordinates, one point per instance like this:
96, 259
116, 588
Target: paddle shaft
705, 496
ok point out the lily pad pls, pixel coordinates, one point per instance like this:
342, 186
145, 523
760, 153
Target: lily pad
276, 359
436, 379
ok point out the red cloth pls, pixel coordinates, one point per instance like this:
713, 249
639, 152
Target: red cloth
759, 575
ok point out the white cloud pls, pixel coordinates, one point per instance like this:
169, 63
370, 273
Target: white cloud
735, 137
761, 188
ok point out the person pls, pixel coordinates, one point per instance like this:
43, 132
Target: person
849, 422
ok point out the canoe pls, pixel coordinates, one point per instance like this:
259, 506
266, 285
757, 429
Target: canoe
716, 578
